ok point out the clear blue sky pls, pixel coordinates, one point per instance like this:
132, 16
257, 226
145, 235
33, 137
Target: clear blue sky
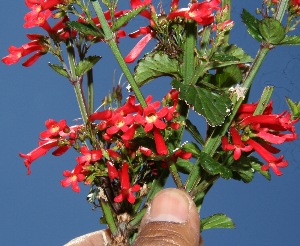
36, 210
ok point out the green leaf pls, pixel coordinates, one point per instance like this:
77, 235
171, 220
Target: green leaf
228, 76
213, 167
242, 170
85, 29
212, 106
86, 64
193, 148
59, 69
193, 130
155, 65
252, 25
271, 30
124, 19
229, 55
290, 40
294, 108
216, 221
184, 166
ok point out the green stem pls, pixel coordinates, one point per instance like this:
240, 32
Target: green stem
109, 217
76, 82
227, 34
110, 39
188, 71
281, 8
214, 139
138, 218
90, 85
80, 100
189, 51
175, 175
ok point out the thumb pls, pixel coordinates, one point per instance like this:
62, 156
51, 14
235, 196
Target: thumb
172, 219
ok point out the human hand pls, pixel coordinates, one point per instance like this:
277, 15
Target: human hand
171, 219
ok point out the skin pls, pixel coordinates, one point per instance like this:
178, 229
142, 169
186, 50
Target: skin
172, 219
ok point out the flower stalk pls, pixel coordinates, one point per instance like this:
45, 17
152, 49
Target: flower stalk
110, 39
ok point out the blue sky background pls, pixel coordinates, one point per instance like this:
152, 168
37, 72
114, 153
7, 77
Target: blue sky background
36, 210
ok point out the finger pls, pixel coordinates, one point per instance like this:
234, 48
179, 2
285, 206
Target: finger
97, 238
171, 219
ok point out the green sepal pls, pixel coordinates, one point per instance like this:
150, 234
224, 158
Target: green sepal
252, 25
212, 106
294, 108
86, 64
85, 29
213, 167
271, 30
59, 69
290, 40
124, 19
216, 221
256, 165
155, 65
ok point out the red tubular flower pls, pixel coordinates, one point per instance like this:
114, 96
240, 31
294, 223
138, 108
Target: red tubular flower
126, 189
129, 134
238, 146
272, 161
15, 53
103, 115
160, 144
145, 151
276, 122
60, 32
138, 48
33, 19
112, 171
72, 178
202, 12
42, 4
181, 154
38, 152
129, 107
54, 128
247, 109
114, 155
174, 5
88, 156
146, 30
295, 2
139, 3
119, 122
151, 117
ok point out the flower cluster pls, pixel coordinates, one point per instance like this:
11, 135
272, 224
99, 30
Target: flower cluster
202, 13
258, 132
123, 140
41, 12
294, 7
